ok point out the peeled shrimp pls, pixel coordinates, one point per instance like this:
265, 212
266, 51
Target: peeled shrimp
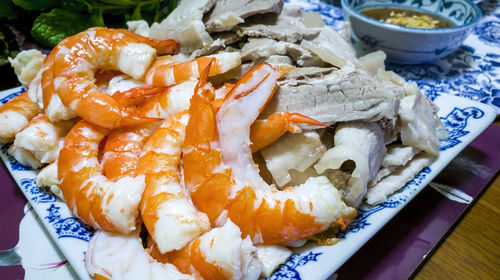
102, 203
220, 253
224, 182
76, 59
170, 217
117, 256
39, 141
167, 72
53, 107
122, 149
15, 114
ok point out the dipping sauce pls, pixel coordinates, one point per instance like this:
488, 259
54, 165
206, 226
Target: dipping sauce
407, 17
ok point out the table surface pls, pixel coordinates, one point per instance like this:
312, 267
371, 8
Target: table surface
472, 250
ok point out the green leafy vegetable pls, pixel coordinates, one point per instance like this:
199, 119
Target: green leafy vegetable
50, 28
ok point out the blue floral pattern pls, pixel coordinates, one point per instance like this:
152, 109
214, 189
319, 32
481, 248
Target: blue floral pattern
489, 31
68, 227
288, 270
37, 194
455, 123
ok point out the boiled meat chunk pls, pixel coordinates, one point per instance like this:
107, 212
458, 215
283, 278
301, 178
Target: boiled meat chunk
398, 179
331, 47
279, 27
185, 25
361, 143
418, 124
292, 151
228, 13
345, 95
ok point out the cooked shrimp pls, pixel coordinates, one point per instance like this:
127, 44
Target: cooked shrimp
117, 256
161, 102
39, 141
224, 181
15, 114
167, 72
98, 201
220, 253
170, 217
52, 105
265, 132
122, 149
77, 58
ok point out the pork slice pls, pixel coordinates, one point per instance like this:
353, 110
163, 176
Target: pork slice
262, 48
348, 94
185, 25
418, 124
361, 143
228, 13
258, 48
397, 180
278, 60
396, 156
221, 41
331, 47
301, 73
280, 27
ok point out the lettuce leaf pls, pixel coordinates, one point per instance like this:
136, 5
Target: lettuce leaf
50, 28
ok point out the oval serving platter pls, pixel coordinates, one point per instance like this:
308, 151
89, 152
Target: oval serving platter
463, 119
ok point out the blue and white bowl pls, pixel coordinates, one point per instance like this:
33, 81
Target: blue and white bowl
409, 45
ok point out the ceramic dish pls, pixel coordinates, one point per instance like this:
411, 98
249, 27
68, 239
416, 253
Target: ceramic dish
409, 45
464, 120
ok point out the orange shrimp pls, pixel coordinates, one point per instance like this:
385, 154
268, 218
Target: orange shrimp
39, 141
167, 72
169, 216
76, 59
224, 182
98, 201
122, 149
15, 114
265, 132
163, 102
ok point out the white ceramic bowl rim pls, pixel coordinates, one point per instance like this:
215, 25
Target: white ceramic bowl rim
401, 28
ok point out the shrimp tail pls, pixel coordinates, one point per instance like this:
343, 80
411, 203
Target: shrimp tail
265, 132
137, 95
161, 46
204, 77
299, 118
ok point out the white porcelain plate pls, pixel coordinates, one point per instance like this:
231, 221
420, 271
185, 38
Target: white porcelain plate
463, 119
